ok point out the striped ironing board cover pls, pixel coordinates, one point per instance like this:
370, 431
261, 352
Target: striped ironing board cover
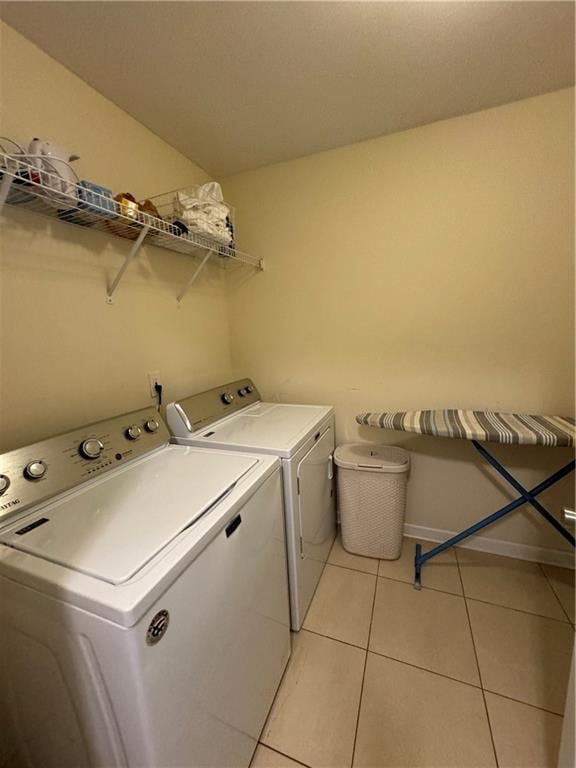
485, 426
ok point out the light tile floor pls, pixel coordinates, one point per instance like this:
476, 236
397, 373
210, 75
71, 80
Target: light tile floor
469, 672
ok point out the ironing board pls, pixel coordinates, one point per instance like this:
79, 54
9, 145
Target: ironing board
486, 427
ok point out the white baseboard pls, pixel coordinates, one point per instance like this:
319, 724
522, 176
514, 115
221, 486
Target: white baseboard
495, 546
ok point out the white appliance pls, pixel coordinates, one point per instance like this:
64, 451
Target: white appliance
144, 616
302, 436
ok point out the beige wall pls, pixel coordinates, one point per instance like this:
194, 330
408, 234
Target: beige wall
427, 269
66, 357
430, 268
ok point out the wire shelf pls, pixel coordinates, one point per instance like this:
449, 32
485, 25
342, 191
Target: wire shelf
23, 184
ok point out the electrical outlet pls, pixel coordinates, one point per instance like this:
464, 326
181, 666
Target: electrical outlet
153, 379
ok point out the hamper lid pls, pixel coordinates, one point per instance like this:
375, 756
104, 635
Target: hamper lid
376, 458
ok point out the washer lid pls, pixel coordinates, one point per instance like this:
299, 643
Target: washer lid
112, 528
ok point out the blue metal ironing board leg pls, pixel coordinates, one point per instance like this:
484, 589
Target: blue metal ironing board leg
525, 497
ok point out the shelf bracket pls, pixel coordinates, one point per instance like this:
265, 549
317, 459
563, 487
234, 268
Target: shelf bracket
127, 260
199, 269
5, 188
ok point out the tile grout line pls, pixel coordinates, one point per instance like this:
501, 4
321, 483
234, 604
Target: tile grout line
391, 578
548, 581
463, 682
524, 703
335, 639
261, 734
425, 669
364, 674
439, 674
517, 610
430, 589
477, 664
399, 661
278, 752
356, 570
430, 671
475, 599
567, 620
319, 634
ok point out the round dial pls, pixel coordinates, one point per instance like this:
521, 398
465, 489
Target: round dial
151, 425
133, 432
227, 398
4, 484
249, 389
35, 469
242, 392
91, 448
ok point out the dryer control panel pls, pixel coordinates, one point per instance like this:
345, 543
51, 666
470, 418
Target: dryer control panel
40, 471
198, 411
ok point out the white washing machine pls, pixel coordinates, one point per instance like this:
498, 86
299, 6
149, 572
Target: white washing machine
302, 436
143, 599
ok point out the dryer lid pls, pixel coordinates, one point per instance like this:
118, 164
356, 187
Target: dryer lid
268, 427
112, 528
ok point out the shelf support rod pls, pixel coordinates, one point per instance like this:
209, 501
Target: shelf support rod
133, 251
5, 188
199, 269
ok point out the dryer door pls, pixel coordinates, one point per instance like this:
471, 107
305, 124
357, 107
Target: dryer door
317, 515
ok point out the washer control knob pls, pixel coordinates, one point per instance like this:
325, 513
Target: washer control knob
249, 389
4, 484
242, 392
151, 425
91, 448
133, 432
227, 398
35, 470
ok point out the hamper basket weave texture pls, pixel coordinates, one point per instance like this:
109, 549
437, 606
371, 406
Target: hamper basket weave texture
372, 506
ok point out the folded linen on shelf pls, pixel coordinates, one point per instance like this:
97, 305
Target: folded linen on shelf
204, 212
204, 224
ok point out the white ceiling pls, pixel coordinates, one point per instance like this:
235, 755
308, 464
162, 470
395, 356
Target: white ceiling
237, 85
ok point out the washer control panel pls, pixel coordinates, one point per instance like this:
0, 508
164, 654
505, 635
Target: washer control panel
40, 471
198, 411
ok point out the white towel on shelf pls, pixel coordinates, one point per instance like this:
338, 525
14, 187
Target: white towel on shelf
210, 191
203, 224
204, 213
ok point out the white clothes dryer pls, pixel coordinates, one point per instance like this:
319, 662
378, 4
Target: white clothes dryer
233, 417
143, 598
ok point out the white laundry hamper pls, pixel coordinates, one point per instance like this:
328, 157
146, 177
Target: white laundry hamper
372, 498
